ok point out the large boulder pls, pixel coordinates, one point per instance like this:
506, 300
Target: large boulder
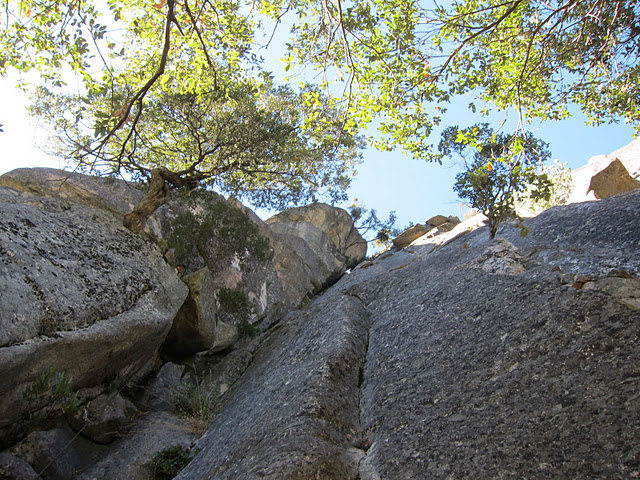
520, 353
312, 245
76, 285
335, 222
105, 418
606, 175
410, 234
612, 180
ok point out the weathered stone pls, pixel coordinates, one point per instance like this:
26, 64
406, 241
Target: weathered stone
612, 180
410, 234
107, 193
335, 222
105, 418
129, 457
502, 258
298, 402
50, 453
226, 336
437, 220
625, 290
257, 278
160, 393
294, 275
325, 263
76, 285
15, 468
194, 328
453, 219
629, 156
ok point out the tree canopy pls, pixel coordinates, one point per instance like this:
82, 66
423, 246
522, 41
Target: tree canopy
398, 61
534, 56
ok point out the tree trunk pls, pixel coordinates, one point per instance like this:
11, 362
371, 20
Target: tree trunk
156, 196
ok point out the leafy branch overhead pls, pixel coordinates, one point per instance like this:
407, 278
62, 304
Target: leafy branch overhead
174, 92
408, 59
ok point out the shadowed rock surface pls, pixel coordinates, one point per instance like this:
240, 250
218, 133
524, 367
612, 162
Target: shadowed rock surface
484, 360
80, 294
129, 457
294, 410
454, 358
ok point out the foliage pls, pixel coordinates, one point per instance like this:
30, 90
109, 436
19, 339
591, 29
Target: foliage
198, 401
559, 175
501, 166
235, 308
407, 59
246, 138
48, 398
218, 232
192, 65
367, 222
247, 329
400, 60
167, 463
235, 302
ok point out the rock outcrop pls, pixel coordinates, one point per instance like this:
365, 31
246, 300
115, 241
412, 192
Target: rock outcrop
336, 223
612, 180
506, 349
310, 250
81, 294
410, 234
432, 229
606, 175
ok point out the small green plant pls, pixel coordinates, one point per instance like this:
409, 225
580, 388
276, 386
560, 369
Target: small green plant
167, 463
198, 401
48, 398
246, 329
218, 232
235, 302
501, 167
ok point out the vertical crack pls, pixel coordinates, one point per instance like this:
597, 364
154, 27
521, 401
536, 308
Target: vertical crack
360, 439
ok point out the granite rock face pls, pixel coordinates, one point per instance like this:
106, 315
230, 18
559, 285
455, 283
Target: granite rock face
307, 255
335, 222
461, 359
298, 402
618, 172
80, 294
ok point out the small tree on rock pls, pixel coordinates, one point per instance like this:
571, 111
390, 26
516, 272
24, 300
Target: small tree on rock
253, 140
497, 168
